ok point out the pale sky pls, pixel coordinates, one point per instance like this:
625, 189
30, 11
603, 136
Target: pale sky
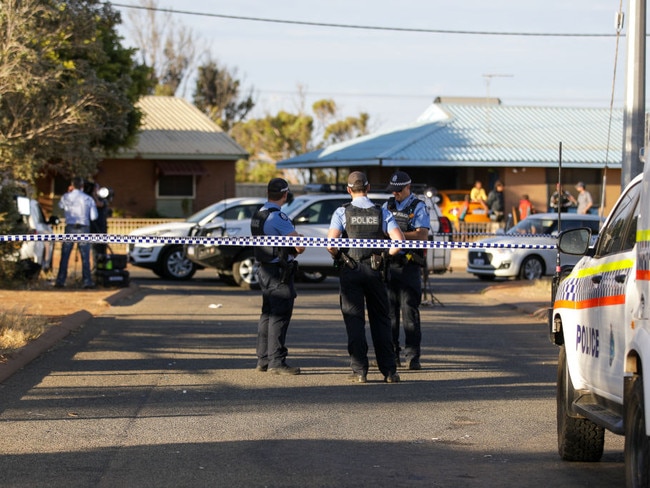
395, 75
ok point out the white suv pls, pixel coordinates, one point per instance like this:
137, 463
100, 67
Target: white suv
311, 214
168, 260
601, 321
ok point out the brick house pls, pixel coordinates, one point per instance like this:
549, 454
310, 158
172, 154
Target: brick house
181, 163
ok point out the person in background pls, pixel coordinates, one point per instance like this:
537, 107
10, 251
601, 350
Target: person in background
525, 207
362, 280
405, 278
477, 194
496, 203
561, 199
584, 200
100, 225
79, 210
276, 277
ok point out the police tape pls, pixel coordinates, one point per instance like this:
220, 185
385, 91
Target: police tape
278, 241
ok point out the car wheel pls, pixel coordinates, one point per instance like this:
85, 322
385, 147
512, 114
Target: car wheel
637, 443
311, 277
174, 265
578, 439
531, 269
244, 272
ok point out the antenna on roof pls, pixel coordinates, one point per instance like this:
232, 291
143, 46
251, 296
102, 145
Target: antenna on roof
488, 80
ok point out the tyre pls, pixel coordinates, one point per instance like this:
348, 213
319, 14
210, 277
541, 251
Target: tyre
637, 443
578, 438
244, 273
531, 269
311, 277
174, 265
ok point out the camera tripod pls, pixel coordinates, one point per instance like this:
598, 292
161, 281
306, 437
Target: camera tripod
426, 291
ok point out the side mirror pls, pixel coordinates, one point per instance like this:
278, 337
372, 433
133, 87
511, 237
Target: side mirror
574, 241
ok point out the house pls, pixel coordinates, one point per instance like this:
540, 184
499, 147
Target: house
457, 141
182, 162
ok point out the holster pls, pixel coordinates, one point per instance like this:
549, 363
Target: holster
287, 270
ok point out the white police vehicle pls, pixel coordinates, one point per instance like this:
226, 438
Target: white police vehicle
601, 321
311, 214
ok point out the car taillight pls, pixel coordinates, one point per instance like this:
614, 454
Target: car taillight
445, 225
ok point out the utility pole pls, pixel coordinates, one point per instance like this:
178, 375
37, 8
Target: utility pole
634, 112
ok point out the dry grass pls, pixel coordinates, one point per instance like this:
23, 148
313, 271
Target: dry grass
17, 328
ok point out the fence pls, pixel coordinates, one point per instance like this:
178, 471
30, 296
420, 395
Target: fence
473, 231
121, 227
464, 232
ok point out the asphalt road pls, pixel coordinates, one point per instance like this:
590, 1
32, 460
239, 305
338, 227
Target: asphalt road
161, 391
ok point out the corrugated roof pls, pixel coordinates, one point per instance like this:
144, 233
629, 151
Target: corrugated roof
173, 128
461, 134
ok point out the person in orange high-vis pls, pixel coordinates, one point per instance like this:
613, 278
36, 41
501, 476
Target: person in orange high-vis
525, 207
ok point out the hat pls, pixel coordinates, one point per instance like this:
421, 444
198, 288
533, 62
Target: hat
398, 181
357, 181
278, 185
580, 184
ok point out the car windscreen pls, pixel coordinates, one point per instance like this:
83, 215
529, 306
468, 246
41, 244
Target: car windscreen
201, 214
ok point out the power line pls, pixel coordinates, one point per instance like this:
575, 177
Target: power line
361, 27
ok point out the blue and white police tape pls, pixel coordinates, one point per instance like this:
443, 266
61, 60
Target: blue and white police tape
280, 241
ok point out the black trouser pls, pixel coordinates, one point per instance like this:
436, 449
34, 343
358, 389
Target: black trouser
277, 308
360, 287
405, 296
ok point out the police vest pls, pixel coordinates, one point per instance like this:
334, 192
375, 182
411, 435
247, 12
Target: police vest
363, 223
404, 217
264, 254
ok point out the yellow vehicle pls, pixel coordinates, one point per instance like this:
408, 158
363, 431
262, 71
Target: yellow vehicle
452, 202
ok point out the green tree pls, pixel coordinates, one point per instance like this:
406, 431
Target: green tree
68, 87
284, 135
218, 93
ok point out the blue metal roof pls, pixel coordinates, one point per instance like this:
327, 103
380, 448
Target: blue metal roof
469, 135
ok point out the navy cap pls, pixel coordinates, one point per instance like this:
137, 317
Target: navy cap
357, 181
398, 181
278, 185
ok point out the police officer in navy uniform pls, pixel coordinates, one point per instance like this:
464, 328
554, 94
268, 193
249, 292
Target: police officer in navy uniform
362, 279
405, 282
276, 278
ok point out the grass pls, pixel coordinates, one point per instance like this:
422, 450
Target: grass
17, 328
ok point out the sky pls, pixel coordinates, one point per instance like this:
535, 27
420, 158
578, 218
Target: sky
394, 74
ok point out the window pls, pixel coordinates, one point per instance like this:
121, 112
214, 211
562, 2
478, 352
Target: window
620, 233
176, 186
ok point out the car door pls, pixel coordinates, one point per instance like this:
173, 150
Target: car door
314, 221
600, 336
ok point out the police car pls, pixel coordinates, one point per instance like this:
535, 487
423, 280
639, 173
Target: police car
601, 322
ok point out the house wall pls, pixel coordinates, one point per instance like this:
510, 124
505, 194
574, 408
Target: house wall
134, 184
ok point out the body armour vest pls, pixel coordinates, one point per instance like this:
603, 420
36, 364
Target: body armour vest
264, 254
363, 223
404, 218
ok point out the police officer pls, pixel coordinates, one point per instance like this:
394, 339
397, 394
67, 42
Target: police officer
276, 278
362, 279
405, 282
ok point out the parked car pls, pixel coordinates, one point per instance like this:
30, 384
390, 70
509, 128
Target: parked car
451, 204
168, 260
527, 264
311, 215
39, 252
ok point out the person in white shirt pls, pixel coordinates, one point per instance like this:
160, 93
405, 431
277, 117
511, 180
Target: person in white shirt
585, 202
79, 209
